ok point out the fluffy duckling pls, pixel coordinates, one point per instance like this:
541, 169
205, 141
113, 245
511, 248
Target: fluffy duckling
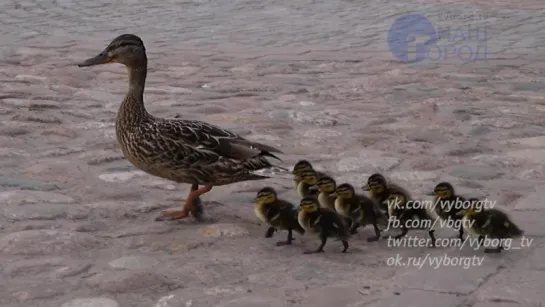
322, 222
380, 190
278, 214
307, 185
298, 169
360, 209
326, 197
492, 223
397, 208
447, 205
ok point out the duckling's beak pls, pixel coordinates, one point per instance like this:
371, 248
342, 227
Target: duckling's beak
334, 194
365, 187
101, 58
431, 193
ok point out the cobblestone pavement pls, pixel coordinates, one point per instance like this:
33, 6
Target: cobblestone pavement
314, 78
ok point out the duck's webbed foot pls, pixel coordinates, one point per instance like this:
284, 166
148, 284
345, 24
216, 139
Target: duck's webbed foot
192, 205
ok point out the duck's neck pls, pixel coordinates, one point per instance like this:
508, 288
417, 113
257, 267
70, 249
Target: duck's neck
132, 110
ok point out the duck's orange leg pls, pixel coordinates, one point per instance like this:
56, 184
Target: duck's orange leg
190, 204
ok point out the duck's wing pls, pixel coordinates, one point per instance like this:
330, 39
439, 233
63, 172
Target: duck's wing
208, 140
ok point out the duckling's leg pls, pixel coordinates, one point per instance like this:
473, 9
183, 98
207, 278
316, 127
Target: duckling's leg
354, 227
270, 232
404, 231
189, 206
431, 233
288, 241
496, 250
461, 233
320, 249
345, 246
373, 217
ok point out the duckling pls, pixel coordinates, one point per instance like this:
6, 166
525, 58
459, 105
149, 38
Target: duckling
447, 205
360, 209
301, 166
307, 185
397, 208
322, 222
493, 223
326, 197
278, 214
380, 189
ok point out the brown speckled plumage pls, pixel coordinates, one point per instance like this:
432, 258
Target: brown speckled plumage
184, 151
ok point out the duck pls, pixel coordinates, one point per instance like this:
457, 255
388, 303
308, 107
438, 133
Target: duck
400, 207
326, 197
489, 222
184, 151
360, 209
301, 187
447, 206
278, 214
307, 185
321, 222
380, 190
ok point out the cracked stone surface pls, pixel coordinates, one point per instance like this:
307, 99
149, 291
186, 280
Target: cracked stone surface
314, 78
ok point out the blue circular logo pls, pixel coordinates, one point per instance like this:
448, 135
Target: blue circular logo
404, 31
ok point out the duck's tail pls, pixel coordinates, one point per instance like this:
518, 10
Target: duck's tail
514, 230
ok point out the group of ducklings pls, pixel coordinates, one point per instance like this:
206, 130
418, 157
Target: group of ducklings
330, 210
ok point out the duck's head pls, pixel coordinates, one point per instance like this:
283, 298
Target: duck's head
309, 177
300, 166
397, 199
443, 190
126, 49
266, 196
326, 185
376, 183
309, 204
475, 206
345, 191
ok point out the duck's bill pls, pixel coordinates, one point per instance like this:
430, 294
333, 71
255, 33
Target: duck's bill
430, 194
102, 58
365, 187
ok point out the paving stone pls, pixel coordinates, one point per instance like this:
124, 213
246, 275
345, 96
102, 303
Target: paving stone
9, 183
44, 212
141, 230
47, 242
21, 197
134, 263
42, 291
126, 281
496, 304
528, 221
334, 296
254, 301
533, 142
368, 162
55, 267
91, 302
532, 201
223, 230
459, 280
120, 176
531, 155
476, 172
416, 298
522, 286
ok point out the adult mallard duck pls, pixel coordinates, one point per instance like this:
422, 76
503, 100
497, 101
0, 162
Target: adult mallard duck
184, 151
